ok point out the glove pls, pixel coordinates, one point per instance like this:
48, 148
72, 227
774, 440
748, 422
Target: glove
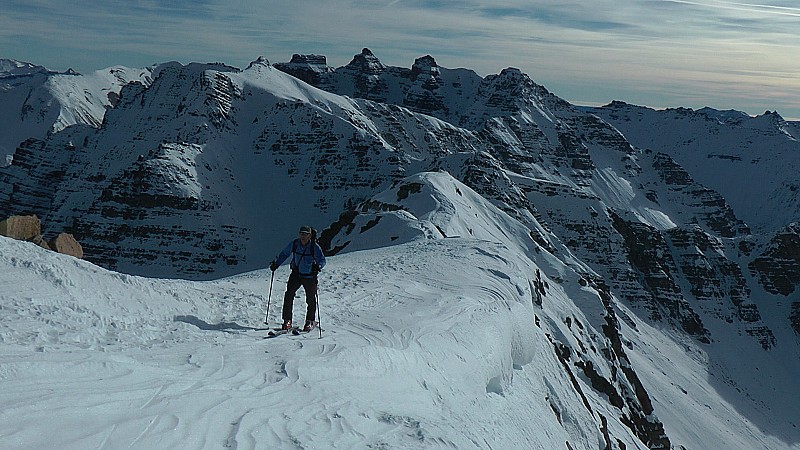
273, 266
315, 268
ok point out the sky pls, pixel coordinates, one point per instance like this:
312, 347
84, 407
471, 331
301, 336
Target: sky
657, 53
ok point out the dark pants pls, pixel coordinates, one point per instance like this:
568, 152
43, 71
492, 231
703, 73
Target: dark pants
310, 286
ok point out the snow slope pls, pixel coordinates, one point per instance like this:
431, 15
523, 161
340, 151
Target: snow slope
37, 102
429, 343
109, 361
751, 161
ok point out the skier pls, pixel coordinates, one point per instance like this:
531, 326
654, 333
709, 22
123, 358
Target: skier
306, 262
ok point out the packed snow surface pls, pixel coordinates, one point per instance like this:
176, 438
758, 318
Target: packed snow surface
427, 344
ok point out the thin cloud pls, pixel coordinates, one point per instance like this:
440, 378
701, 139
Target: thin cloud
662, 48
747, 7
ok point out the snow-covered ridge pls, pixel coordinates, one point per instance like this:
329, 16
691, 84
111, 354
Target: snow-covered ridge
197, 148
721, 148
37, 101
11, 68
422, 342
206, 170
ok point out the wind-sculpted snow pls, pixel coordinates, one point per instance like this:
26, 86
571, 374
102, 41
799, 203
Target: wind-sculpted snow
431, 205
430, 344
406, 359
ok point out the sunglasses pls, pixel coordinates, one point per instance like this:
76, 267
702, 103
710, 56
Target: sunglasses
304, 233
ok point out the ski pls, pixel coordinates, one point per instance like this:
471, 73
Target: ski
275, 332
297, 331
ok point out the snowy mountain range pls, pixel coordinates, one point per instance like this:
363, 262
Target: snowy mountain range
37, 101
634, 270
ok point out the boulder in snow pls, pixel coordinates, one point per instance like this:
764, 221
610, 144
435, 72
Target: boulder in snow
67, 244
24, 228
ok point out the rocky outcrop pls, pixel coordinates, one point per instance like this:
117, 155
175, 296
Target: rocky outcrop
424, 95
65, 243
29, 228
24, 228
649, 254
778, 265
309, 68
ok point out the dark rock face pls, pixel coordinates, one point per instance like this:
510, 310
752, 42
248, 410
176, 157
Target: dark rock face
794, 318
717, 284
309, 68
778, 266
649, 254
711, 208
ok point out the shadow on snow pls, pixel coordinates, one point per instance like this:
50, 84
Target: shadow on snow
227, 327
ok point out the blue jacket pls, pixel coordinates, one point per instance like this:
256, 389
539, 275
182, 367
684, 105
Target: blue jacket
302, 257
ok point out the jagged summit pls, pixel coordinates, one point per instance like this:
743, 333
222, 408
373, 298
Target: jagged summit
366, 62
306, 67
425, 66
261, 60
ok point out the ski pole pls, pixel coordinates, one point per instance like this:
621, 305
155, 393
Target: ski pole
319, 316
269, 298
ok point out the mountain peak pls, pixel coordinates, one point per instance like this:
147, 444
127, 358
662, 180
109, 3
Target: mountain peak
366, 62
260, 61
425, 65
12, 67
306, 67
509, 77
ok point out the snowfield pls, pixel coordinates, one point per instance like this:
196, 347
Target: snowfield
95, 359
427, 344
472, 341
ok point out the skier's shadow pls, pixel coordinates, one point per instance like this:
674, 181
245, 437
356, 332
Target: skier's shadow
227, 327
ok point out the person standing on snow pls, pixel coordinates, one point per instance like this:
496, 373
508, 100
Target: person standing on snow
306, 262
